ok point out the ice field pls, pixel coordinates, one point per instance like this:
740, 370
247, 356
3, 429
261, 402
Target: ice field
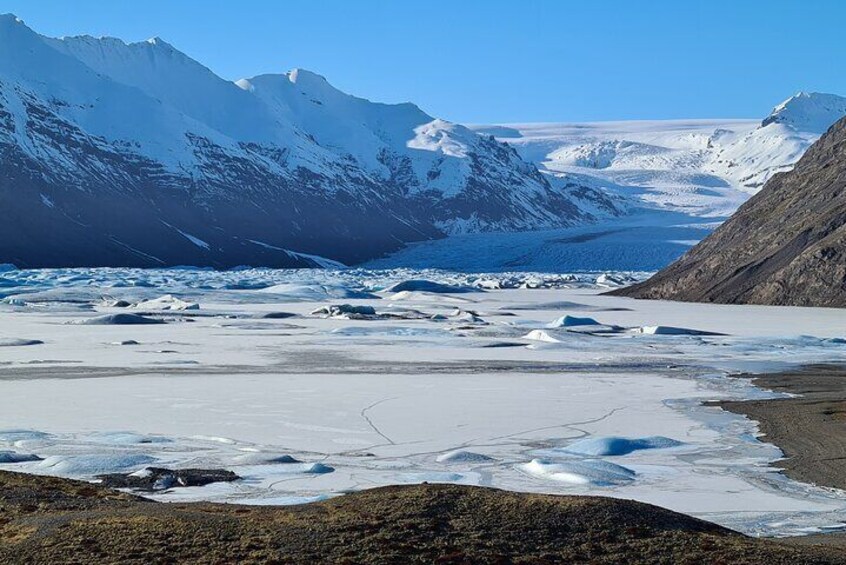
311, 384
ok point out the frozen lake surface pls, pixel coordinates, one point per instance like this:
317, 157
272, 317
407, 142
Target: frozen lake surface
310, 384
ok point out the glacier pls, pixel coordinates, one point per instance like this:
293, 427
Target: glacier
676, 180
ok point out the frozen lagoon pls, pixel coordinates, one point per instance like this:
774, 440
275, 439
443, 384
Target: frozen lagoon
432, 386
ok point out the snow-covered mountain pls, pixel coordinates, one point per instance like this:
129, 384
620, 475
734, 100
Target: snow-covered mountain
678, 179
811, 112
135, 154
697, 167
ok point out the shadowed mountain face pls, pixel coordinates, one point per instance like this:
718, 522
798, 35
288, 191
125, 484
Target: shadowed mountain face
785, 246
115, 154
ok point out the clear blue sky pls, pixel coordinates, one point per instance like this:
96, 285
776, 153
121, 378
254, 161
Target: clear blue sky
501, 61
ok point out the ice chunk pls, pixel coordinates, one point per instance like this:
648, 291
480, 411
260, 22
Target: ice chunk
466, 316
215, 439
83, 465
670, 330
559, 305
541, 335
346, 312
278, 315
608, 280
263, 459
572, 321
489, 284
585, 472
17, 342
119, 320
316, 468
283, 465
307, 468
313, 292
116, 304
615, 445
167, 302
422, 285
13, 457
154, 479
460, 456
126, 438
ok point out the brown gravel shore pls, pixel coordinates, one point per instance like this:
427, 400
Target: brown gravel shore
810, 428
49, 520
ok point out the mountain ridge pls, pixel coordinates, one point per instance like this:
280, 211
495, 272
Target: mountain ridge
143, 153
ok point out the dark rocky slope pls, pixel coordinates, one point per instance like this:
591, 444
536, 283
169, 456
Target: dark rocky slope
47, 520
785, 246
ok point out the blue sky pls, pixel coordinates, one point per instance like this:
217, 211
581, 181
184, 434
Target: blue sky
501, 61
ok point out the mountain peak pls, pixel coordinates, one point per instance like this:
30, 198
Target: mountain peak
315, 85
812, 112
14, 28
10, 20
304, 77
160, 43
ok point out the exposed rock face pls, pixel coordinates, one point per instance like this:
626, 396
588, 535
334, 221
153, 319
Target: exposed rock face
785, 246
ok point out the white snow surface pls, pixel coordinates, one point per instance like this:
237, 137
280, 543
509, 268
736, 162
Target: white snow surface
698, 167
434, 387
812, 112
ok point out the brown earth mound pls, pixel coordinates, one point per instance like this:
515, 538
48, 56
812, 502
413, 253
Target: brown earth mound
48, 520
